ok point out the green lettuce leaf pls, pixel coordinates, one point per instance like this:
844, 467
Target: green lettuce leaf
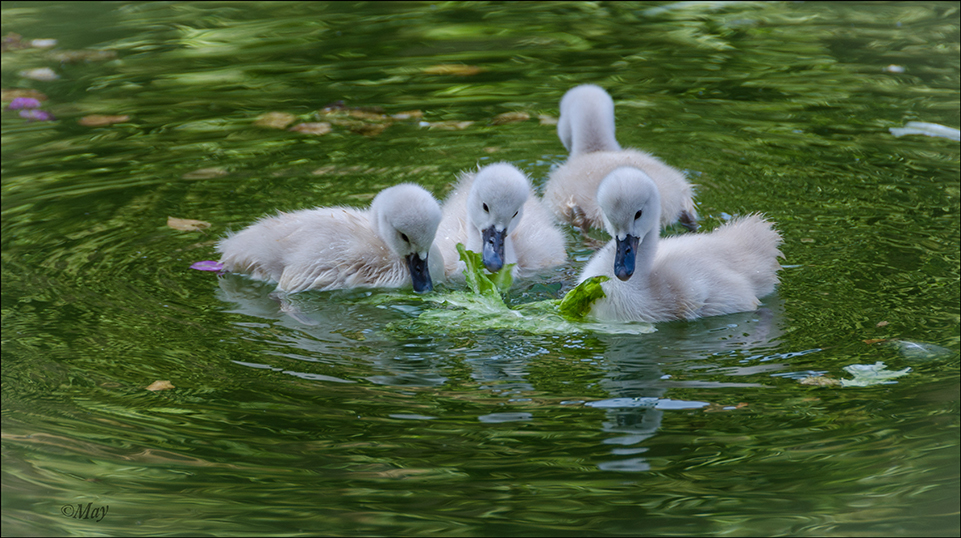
482, 307
576, 305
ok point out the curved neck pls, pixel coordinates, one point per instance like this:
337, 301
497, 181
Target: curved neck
593, 130
644, 262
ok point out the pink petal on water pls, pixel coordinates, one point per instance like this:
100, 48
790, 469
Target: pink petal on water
20, 103
208, 265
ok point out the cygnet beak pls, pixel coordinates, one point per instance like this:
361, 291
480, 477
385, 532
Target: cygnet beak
625, 256
419, 274
493, 254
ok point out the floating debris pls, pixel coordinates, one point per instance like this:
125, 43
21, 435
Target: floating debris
11, 94
37, 115
919, 350
510, 117
871, 374
894, 69
881, 324
368, 115
43, 43
160, 385
74, 56
101, 120
820, 381
453, 69
12, 41
187, 225
926, 129
207, 265
40, 73
447, 125
544, 119
21, 103
408, 115
275, 120
206, 173
314, 128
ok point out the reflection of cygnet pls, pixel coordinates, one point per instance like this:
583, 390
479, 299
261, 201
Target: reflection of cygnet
682, 277
327, 248
495, 212
586, 128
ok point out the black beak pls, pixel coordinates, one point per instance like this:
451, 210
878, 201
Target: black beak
493, 254
419, 274
624, 257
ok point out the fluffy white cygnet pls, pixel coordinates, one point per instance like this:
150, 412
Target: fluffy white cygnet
327, 248
495, 212
586, 128
681, 277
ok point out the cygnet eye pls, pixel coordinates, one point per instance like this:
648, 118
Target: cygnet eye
404, 237
637, 215
486, 210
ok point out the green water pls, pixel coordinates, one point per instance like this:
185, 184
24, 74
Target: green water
369, 423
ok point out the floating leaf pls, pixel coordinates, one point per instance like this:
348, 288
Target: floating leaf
874, 340
206, 173
11, 94
187, 225
544, 119
275, 120
207, 265
40, 73
43, 43
510, 117
453, 69
576, 305
367, 115
820, 381
313, 128
101, 120
408, 115
160, 385
73, 56
448, 125
12, 41
871, 374
881, 324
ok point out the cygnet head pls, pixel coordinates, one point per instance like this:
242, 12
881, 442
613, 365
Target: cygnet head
632, 211
587, 120
495, 205
406, 218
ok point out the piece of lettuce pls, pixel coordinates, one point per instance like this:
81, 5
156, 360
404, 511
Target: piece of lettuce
482, 307
482, 282
576, 305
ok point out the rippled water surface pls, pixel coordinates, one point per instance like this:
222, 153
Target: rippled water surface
356, 417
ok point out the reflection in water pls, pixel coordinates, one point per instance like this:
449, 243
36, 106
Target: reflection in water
338, 413
632, 368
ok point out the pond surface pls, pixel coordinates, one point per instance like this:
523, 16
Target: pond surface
356, 417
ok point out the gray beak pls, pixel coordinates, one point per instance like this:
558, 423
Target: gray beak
493, 254
624, 257
687, 221
419, 274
